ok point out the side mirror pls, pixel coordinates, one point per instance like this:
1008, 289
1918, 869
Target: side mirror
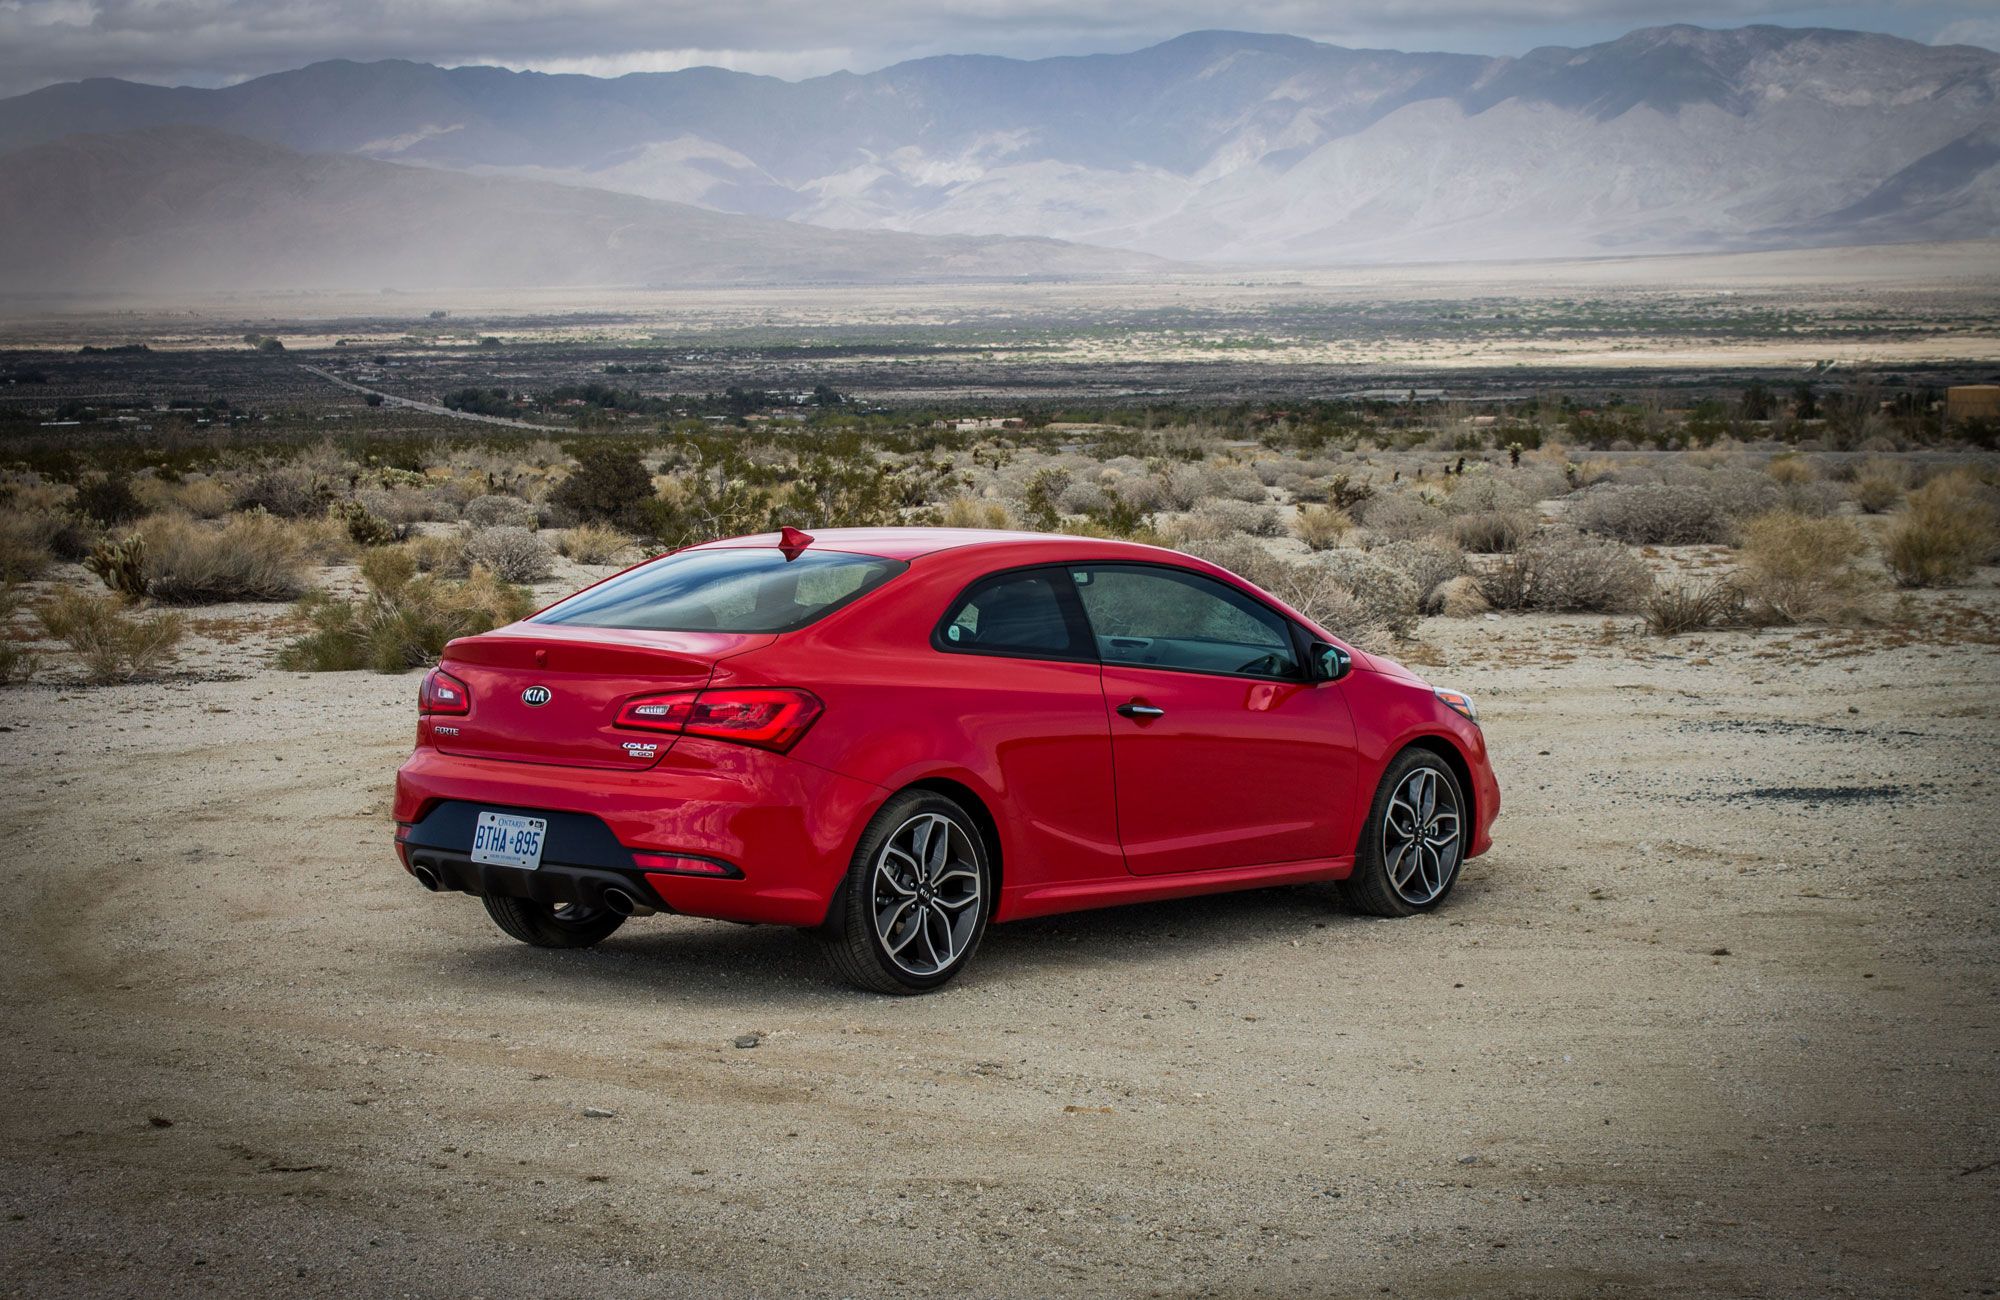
1329, 662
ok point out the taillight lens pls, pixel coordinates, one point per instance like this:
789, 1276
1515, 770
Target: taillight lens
443, 693
769, 717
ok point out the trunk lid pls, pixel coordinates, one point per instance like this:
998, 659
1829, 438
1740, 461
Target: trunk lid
551, 694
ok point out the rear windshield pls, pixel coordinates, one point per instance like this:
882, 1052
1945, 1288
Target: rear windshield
736, 589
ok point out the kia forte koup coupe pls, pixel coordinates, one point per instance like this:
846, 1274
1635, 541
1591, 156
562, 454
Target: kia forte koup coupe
897, 737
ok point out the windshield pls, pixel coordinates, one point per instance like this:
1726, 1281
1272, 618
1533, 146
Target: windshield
734, 589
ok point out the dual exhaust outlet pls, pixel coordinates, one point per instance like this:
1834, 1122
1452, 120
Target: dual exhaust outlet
616, 901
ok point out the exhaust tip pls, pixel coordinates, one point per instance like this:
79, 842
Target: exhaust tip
623, 904
427, 878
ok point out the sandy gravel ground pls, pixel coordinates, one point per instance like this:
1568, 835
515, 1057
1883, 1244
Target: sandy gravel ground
1716, 1017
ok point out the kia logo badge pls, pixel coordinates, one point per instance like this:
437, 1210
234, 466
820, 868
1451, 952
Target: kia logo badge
536, 696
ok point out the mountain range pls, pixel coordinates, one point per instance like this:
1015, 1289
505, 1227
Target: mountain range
1215, 146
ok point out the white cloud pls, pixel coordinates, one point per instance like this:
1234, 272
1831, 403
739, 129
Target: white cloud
1983, 32
792, 65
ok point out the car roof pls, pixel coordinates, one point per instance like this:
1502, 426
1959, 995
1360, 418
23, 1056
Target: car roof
913, 543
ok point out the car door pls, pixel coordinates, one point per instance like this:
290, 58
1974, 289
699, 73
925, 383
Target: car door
1224, 752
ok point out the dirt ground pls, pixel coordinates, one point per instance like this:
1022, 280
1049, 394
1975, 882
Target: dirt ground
1716, 1016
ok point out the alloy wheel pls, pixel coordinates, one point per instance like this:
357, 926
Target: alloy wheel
925, 894
1420, 836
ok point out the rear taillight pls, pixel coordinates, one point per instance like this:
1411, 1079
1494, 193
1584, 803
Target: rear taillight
443, 693
769, 717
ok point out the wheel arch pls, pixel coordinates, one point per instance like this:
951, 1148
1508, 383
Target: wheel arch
982, 817
1447, 752
958, 792
1454, 759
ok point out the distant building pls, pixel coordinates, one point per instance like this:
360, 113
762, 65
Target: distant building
1968, 402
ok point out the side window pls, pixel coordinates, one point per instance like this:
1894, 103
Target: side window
1169, 618
1013, 613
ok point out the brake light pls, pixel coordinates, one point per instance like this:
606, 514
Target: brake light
768, 717
443, 693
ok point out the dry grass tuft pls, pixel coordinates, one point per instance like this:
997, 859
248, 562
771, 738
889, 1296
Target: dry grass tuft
1801, 568
970, 512
1693, 607
1879, 485
1321, 528
1946, 532
113, 645
594, 544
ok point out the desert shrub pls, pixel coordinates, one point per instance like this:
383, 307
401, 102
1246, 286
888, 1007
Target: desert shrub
1790, 469
120, 565
1400, 516
439, 553
1691, 607
513, 554
403, 622
322, 540
593, 544
1428, 564
1537, 482
288, 491
1222, 517
1561, 571
705, 503
496, 511
609, 485
1479, 494
1946, 531
1321, 527
1878, 485
1459, 598
1738, 493
1359, 598
1179, 486
205, 498
113, 645
107, 499
1491, 532
1081, 497
971, 512
251, 557
25, 537
15, 662
404, 505
1656, 514
1799, 568
363, 528
1239, 483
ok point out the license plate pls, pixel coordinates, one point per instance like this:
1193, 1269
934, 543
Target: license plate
504, 840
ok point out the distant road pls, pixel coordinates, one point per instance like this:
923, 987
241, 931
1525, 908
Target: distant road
390, 399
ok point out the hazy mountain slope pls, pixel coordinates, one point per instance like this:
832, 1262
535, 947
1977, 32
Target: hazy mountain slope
1212, 145
181, 209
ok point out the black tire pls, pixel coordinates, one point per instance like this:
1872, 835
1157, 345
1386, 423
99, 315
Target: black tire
1372, 888
850, 939
544, 927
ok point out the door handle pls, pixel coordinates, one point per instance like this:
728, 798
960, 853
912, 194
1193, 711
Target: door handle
1137, 710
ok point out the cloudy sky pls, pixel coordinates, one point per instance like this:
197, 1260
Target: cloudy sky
215, 42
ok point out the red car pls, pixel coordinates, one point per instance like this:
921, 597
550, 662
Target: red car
895, 737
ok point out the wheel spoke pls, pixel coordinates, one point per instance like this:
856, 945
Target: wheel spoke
1400, 864
940, 846
883, 874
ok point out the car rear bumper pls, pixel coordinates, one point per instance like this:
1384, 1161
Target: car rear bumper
788, 827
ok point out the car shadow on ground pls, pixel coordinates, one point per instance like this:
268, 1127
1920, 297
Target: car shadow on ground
749, 966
